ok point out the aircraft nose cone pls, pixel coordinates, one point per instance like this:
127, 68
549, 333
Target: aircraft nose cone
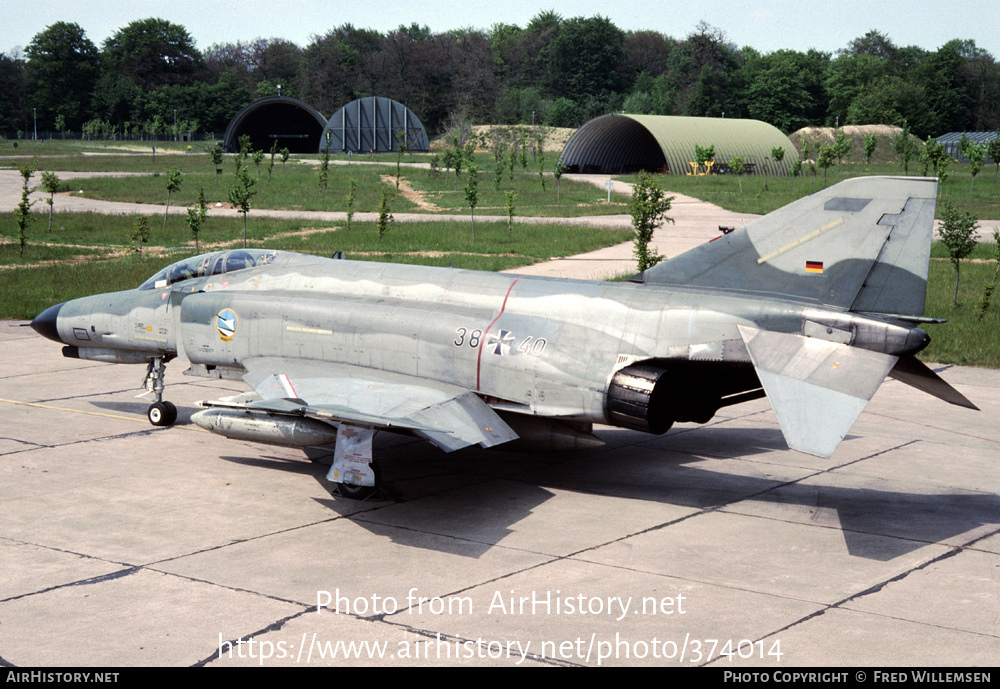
45, 323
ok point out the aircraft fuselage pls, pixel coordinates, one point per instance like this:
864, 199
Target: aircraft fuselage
535, 345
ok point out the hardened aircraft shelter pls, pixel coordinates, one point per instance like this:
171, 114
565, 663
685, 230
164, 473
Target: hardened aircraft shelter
616, 144
295, 125
372, 125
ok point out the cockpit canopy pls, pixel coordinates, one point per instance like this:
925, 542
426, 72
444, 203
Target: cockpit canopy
215, 263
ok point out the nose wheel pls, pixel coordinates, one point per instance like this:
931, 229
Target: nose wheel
160, 413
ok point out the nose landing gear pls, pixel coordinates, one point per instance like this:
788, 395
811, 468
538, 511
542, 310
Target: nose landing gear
160, 413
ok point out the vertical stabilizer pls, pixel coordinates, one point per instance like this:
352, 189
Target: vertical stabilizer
862, 244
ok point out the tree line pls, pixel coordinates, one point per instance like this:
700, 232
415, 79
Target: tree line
149, 79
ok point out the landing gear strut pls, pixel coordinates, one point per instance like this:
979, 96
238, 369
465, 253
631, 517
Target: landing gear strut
160, 413
353, 469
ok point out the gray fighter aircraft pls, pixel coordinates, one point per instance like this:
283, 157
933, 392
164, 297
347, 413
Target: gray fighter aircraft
812, 305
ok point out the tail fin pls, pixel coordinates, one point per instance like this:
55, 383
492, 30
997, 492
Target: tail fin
862, 244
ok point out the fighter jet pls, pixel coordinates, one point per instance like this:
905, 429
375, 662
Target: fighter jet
812, 305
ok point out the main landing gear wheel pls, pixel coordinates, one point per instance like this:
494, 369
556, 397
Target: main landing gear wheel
356, 492
162, 414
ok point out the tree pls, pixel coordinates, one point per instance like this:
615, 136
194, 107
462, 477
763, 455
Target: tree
841, 147
216, 153
703, 67
738, 164
400, 151
651, 96
154, 52
457, 157
62, 69
976, 154
472, 194
984, 301
324, 169
50, 185
804, 147
352, 188
194, 224
958, 232
993, 151
511, 198
649, 205
558, 173
849, 76
584, 57
777, 155
703, 155
174, 180
242, 152
934, 156
565, 112
541, 160
240, 194
783, 88
871, 141
23, 212
196, 217
825, 159
796, 171
270, 166
258, 159
384, 211
14, 110
140, 231
904, 146
523, 155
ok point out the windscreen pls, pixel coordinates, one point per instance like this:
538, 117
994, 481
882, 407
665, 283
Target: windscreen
205, 265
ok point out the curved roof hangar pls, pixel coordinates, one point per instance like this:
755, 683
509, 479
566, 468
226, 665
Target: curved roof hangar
618, 144
372, 124
295, 125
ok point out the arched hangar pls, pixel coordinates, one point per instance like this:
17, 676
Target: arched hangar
295, 125
372, 125
622, 144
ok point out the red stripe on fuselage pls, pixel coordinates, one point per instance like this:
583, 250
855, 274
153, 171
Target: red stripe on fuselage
482, 341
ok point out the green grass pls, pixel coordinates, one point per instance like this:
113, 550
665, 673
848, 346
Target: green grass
25, 293
574, 198
964, 339
984, 251
108, 232
527, 243
297, 188
75, 154
10, 254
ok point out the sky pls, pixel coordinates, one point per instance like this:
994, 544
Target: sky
766, 26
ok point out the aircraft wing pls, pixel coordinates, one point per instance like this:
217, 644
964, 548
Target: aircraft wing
446, 415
